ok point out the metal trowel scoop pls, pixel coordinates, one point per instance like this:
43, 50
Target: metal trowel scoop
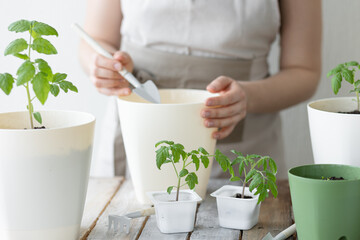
147, 91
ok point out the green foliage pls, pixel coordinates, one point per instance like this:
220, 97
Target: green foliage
170, 152
260, 174
345, 71
37, 73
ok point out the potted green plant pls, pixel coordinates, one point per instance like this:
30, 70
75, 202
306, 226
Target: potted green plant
175, 210
239, 206
323, 208
45, 155
342, 114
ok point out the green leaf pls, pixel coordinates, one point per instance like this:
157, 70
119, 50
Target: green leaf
194, 152
203, 151
37, 117
237, 153
58, 77
191, 180
262, 195
169, 189
16, 46
20, 26
65, 85
273, 166
257, 180
231, 171
357, 83
44, 29
348, 75
335, 70
241, 168
6, 82
236, 161
41, 87
270, 176
336, 82
234, 179
183, 173
352, 64
196, 161
176, 149
161, 156
42, 45
45, 68
222, 160
205, 161
273, 189
250, 175
156, 145
54, 89
25, 73
21, 56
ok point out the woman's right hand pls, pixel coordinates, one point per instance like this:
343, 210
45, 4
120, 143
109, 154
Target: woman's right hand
104, 73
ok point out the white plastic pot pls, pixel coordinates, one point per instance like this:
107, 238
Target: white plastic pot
44, 175
175, 216
177, 119
236, 213
334, 136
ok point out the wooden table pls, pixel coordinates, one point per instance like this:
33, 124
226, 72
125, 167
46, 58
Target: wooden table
116, 195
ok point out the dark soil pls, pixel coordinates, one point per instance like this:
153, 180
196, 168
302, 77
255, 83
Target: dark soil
335, 178
238, 195
353, 112
42, 127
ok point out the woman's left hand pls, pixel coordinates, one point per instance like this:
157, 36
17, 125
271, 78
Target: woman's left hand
226, 110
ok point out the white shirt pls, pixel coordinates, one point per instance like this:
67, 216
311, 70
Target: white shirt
241, 29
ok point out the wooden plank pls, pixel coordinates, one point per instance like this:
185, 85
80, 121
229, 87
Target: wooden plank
151, 231
275, 214
99, 194
123, 202
207, 221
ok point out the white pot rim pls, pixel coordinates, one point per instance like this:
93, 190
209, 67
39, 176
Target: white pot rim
204, 92
89, 120
196, 197
333, 99
218, 193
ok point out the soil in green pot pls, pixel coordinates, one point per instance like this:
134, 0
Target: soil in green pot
333, 178
239, 195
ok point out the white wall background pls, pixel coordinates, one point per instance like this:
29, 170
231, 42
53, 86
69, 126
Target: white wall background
341, 38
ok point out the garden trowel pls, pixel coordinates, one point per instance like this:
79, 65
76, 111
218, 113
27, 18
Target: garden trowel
147, 91
283, 235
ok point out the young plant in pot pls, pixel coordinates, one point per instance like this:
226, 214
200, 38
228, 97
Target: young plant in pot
44, 172
239, 206
325, 200
341, 113
175, 210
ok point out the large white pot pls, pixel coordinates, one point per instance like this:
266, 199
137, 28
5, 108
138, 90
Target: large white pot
334, 136
177, 119
44, 175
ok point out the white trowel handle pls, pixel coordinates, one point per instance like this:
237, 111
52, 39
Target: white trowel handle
99, 49
141, 213
286, 233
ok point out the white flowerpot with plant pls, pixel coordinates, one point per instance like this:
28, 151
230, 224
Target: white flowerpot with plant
239, 206
335, 122
44, 164
175, 210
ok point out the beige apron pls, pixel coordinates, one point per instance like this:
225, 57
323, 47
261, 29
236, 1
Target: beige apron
262, 132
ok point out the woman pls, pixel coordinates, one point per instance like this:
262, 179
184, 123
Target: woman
218, 45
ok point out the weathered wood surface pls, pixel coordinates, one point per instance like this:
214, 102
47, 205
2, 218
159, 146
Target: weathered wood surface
275, 216
124, 202
100, 191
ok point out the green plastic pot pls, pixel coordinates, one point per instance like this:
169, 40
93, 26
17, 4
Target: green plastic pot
326, 209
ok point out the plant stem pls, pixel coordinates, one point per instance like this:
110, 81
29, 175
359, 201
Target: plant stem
358, 101
27, 88
178, 189
243, 190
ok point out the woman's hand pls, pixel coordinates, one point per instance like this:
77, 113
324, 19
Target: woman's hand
226, 110
104, 73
